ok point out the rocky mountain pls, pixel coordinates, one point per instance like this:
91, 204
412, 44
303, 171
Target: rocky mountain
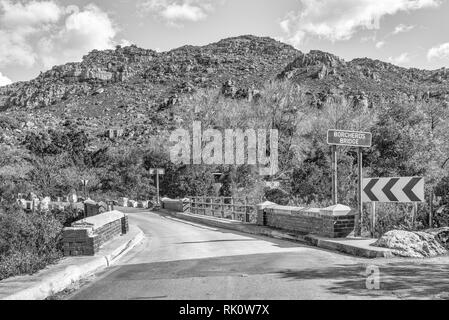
246, 60
364, 81
133, 89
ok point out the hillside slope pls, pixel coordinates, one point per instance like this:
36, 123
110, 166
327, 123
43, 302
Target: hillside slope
134, 88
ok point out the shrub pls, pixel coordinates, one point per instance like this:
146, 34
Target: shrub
26, 262
441, 217
442, 190
392, 216
68, 215
28, 242
8, 122
277, 196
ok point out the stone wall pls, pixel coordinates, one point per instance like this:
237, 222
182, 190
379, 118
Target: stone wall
85, 237
333, 222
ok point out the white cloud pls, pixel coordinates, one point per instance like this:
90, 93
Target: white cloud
4, 80
46, 33
439, 52
178, 11
19, 22
184, 11
82, 32
369, 38
341, 19
33, 13
402, 59
15, 49
402, 28
380, 44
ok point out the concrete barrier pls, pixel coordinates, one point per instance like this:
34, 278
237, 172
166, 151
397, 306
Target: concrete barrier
179, 205
332, 222
85, 237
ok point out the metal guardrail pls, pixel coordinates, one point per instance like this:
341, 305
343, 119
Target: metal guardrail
224, 207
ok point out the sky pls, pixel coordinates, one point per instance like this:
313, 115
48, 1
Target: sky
37, 34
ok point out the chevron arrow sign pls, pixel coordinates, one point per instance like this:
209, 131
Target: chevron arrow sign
393, 190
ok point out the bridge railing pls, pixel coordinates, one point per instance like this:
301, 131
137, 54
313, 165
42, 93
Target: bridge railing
224, 207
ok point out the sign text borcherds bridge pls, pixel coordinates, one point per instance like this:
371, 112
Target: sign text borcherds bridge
349, 138
346, 138
399, 190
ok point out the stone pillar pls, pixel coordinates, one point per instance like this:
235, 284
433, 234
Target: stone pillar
91, 208
125, 224
338, 221
260, 208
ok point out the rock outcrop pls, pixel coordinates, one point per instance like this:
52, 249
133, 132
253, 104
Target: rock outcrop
364, 82
414, 244
248, 61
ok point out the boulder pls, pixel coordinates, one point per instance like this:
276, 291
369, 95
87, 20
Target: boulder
411, 244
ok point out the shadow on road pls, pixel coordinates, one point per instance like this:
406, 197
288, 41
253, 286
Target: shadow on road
405, 280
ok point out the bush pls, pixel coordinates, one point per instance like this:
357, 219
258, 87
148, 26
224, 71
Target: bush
8, 122
277, 196
68, 215
392, 216
26, 262
441, 217
28, 242
442, 190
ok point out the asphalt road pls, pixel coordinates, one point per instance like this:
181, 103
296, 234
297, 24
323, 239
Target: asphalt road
183, 260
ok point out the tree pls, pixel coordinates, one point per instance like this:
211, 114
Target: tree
400, 142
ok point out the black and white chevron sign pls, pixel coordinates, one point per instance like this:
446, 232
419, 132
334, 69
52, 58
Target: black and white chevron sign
393, 190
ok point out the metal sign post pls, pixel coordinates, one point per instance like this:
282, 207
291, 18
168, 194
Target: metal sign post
373, 223
334, 175
157, 172
359, 190
349, 139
